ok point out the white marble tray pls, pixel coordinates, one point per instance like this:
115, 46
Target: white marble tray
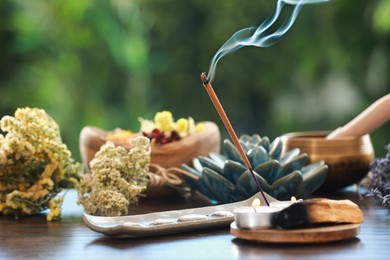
169, 222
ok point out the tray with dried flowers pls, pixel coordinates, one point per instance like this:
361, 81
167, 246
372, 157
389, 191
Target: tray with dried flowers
173, 142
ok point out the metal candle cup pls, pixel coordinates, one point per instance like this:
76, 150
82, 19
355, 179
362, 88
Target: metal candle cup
255, 217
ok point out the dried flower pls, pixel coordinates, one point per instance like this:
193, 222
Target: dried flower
55, 209
34, 163
164, 121
116, 179
165, 130
182, 127
119, 134
379, 179
200, 127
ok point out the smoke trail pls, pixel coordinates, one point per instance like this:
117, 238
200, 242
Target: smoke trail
242, 38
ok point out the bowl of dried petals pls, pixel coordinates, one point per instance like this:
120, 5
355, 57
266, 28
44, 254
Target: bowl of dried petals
173, 142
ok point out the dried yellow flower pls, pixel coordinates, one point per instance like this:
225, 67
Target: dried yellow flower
164, 121
200, 127
182, 126
34, 163
116, 179
165, 130
119, 135
55, 209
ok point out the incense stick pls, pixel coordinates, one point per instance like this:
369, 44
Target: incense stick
229, 128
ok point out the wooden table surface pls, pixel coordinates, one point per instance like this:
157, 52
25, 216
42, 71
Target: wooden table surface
34, 238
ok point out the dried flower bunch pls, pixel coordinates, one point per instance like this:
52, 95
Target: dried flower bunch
116, 179
165, 130
34, 164
379, 179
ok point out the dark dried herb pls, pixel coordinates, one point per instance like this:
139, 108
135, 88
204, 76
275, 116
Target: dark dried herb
159, 137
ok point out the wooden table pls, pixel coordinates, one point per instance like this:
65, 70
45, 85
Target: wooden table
33, 237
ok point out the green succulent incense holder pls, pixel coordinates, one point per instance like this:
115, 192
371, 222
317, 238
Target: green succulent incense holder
224, 178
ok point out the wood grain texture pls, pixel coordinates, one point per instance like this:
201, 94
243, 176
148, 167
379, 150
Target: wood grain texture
306, 235
325, 210
319, 211
34, 238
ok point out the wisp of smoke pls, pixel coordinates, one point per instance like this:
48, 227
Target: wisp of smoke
258, 38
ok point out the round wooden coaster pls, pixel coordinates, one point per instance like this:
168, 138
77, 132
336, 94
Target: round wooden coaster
306, 235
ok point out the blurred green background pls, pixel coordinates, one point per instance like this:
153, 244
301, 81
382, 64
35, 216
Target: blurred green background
106, 63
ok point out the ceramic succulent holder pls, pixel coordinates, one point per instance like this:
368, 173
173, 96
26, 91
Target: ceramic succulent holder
223, 178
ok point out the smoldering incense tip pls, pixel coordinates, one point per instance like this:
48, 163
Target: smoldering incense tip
204, 78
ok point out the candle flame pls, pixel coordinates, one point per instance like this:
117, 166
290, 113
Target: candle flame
256, 203
293, 199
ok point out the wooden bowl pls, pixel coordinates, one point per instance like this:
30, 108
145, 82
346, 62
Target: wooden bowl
168, 155
348, 158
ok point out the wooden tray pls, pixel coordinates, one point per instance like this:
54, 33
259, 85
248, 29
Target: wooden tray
169, 155
307, 235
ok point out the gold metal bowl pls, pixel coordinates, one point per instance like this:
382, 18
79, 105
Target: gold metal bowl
348, 158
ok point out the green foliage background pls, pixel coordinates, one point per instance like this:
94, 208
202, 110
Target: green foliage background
107, 62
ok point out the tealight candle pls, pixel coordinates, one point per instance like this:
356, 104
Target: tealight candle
255, 217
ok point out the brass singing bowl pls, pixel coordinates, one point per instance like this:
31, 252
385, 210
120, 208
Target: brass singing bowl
348, 158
